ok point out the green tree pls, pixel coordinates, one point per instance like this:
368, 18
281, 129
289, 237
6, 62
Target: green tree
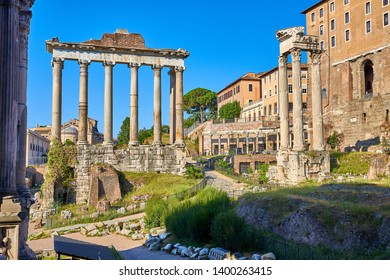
144, 133
334, 140
124, 133
200, 100
230, 110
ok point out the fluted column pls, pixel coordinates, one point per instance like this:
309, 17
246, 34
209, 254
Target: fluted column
83, 102
172, 106
57, 65
134, 104
157, 104
318, 130
108, 104
283, 102
297, 100
179, 106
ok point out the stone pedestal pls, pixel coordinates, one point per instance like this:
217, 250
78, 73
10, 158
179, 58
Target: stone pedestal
294, 167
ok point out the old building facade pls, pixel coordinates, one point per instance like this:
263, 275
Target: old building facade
37, 148
354, 38
245, 90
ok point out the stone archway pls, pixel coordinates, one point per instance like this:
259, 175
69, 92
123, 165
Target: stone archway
368, 72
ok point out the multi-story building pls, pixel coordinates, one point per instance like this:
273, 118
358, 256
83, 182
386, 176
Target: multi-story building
37, 148
355, 39
270, 84
245, 90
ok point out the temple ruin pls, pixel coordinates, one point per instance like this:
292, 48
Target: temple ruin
295, 163
15, 197
122, 48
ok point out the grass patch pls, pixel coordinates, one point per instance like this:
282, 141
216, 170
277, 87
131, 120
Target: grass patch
157, 184
356, 163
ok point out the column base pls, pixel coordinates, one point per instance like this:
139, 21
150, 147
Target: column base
108, 143
157, 143
179, 143
82, 143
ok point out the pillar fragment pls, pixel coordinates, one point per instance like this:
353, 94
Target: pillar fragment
134, 105
318, 131
172, 106
283, 102
57, 65
179, 106
108, 103
297, 100
157, 104
83, 103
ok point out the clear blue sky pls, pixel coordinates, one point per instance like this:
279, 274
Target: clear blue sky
226, 39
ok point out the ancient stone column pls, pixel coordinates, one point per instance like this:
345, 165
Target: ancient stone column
157, 104
172, 106
219, 144
179, 106
256, 149
108, 104
57, 65
277, 141
134, 104
83, 103
228, 142
318, 131
283, 102
297, 100
247, 143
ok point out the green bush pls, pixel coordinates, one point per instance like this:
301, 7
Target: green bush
194, 172
229, 231
155, 212
191, 220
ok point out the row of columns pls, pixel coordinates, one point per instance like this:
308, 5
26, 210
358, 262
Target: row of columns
176, 103
256, 142
318, 136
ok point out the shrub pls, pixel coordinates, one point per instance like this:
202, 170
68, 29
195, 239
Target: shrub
191, 220
229, 231
194, 172
155, 211
262, 171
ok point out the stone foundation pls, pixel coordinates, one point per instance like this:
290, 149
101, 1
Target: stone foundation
294, 167
144, 158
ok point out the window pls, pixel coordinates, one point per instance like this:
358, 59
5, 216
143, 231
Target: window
332, 24
364, 117
322, 45
276, 90
368, 7
385, 19
304, 107
321, 12
290, 88
346, 17
368, 26
331, 7
347, 35
304, 90
250, 87
290, 107
275, 108
321, 29
385, 2
333, 41
270, 109
313, 17
238, 89
346, 2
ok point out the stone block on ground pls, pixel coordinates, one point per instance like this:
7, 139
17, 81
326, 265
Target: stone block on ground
268, 256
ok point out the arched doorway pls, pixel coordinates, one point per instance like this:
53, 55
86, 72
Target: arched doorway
368, 78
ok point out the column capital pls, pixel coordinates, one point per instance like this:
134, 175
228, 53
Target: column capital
180, 68
108, 63
134, 65
57, 60
84, 62
295, 54
315, 57
282, 60
157, 67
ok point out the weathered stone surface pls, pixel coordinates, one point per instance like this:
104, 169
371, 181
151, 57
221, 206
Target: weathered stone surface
65, 214
268, 256
104, 183
137, 236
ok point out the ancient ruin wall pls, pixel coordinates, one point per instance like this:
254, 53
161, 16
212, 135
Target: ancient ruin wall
144, 158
